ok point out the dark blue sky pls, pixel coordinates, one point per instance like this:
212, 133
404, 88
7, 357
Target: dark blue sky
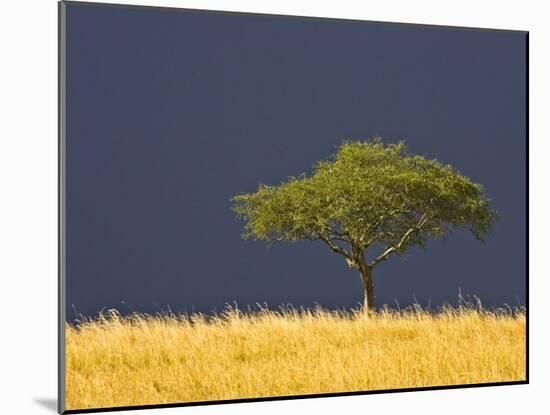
170, 113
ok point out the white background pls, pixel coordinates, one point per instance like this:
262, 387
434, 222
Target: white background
28, 204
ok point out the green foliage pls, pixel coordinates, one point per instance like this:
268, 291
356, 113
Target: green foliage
370, 194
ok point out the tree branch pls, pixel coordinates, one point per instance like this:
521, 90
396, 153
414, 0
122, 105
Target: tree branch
389, 250
333, 234
379, 236
334, 247
381, 220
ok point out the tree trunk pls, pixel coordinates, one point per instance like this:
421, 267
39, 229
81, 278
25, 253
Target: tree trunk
368, 287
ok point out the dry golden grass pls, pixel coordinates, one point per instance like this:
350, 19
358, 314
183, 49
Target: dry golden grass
143, 359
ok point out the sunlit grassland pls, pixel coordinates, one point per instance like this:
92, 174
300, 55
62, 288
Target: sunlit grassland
146, 359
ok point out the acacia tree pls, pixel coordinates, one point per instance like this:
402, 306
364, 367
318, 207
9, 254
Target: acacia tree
371, 201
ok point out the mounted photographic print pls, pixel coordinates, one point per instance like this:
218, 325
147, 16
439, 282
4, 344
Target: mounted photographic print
259, 207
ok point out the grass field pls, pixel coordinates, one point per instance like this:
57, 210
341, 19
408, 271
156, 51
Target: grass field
144, 359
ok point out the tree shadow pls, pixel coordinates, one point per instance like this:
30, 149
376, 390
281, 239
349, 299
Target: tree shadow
48, 403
